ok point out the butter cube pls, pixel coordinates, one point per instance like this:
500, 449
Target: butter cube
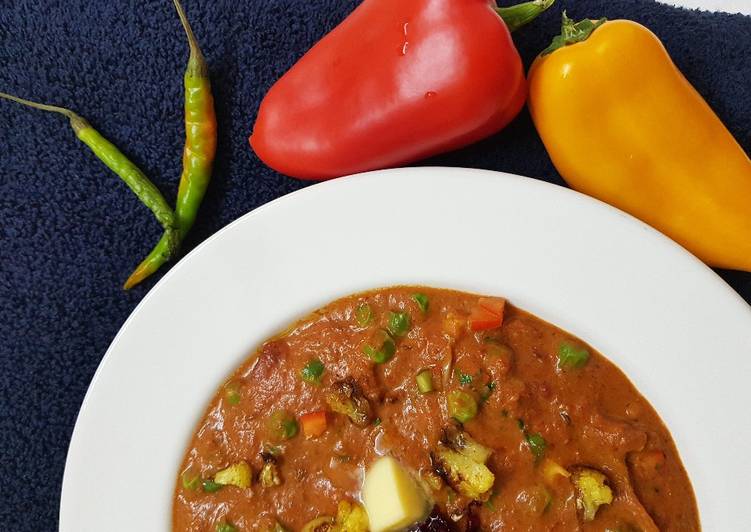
391, 496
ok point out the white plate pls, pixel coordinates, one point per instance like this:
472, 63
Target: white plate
676, 329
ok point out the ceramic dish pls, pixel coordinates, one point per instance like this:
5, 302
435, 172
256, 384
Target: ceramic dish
674, 327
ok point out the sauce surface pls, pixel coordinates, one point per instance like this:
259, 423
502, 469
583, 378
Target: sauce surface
545, 401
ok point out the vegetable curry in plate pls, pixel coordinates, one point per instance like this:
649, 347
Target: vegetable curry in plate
413, 408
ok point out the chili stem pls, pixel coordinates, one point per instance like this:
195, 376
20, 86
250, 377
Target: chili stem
196, 61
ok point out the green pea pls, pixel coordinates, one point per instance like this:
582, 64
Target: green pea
571, 357
232, 393
312, 371
461, 406
422, 301
283, 425
381, 347
399, 323
364, 315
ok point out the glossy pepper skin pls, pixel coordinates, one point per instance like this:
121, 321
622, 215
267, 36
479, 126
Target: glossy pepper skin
622, 124
396, 81
198, 153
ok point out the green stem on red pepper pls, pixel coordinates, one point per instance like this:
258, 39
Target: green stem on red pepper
522, 14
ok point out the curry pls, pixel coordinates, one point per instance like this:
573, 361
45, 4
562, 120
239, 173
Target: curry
412, 408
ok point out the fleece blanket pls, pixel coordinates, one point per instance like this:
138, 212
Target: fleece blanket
71, 232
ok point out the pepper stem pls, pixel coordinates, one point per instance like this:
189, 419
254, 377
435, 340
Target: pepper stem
196, 62
573, 32
76, 122
522, 14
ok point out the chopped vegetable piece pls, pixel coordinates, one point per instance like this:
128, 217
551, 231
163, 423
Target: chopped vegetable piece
424, 381
487, 314
537, 445
351, 517
225, 527
376, 422
552, 471
461, 406
399, 323
282, 425
592, 491
312, 371
238, 475
364, 315
453, 324
346, 398
422, 301
520, 423
381, 347
319, 524
232, 393
191, 479
209, 486
460, 441
392, 497
571, 357
314, 423
273, 450
433, 480
269, 475
470, 478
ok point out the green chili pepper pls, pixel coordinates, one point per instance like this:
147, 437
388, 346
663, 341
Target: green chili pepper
198, 154
116, 161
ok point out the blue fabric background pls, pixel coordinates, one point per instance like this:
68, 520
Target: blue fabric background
70, 232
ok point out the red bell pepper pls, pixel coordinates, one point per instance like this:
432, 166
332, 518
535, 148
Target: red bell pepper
487, 314
314, 423
396, 81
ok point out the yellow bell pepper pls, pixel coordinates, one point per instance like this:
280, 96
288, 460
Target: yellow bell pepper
622, 124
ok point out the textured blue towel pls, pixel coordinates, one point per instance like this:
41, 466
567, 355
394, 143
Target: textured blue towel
70, 232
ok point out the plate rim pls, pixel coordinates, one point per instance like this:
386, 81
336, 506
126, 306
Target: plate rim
319, 188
